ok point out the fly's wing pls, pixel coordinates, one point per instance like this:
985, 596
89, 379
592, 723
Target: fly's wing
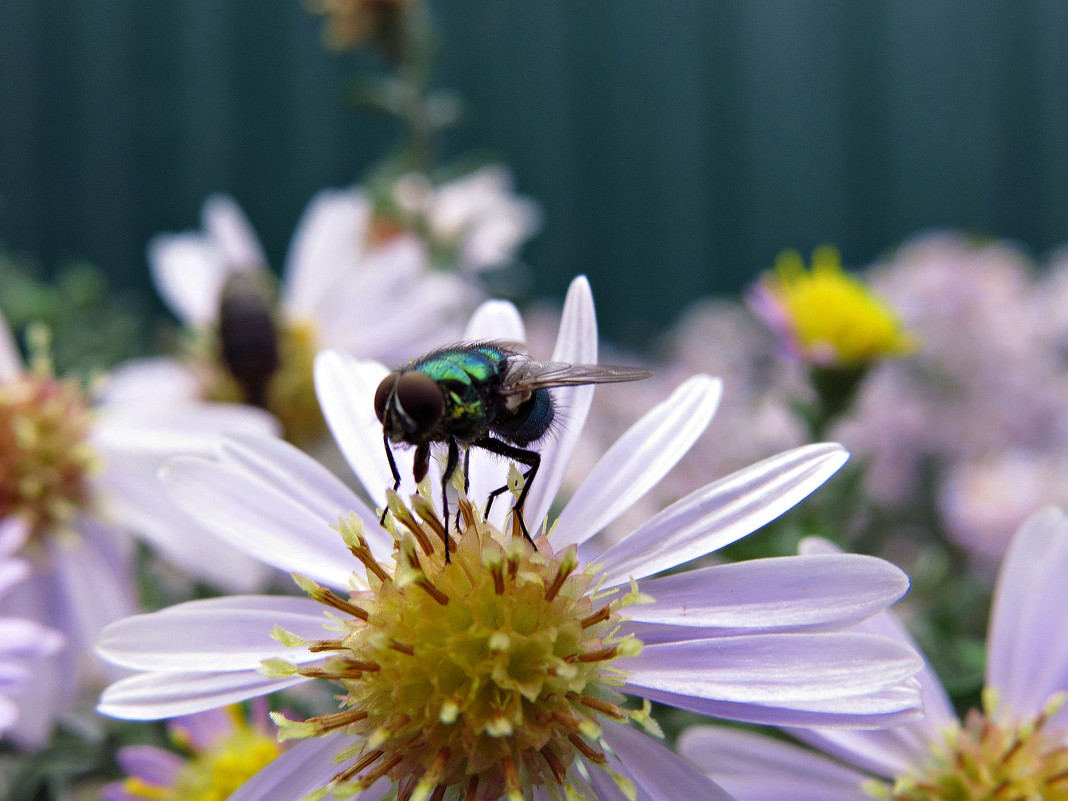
525, 375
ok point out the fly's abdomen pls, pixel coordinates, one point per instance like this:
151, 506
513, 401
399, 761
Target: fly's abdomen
529, 422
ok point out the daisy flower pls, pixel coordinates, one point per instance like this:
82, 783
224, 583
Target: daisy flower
221, 750
73, 479
503, 671
341, 288
1016, 747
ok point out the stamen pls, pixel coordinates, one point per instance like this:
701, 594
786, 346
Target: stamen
586, 749
601, 615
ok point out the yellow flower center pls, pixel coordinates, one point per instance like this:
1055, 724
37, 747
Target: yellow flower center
290, 390
834, 317
45, 458
473, 678
215, 773
988, 760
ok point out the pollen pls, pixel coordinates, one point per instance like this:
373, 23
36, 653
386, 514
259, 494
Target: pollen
833, 317
290, 392
988, 760
45, 456
477, 678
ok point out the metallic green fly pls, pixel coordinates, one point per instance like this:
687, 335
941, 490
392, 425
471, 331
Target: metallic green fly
484, 395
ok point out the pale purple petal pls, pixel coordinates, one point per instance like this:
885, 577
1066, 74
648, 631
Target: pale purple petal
152, 696
14, 531
346, 389
722, 512
891, 706
576, 343
638, 460
150, 764
659, 774
325, 249
496, 320
275, 528
12, 571
790, 593
757, 768
10, 360
212, 636
9, 713
306, 766
202, 730
772, 668
891, 751
1027, 654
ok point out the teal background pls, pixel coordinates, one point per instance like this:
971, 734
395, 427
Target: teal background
676, 145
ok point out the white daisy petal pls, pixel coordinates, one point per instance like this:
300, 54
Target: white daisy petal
276, 528
638, 460
576, 343
1028, 648
722, 512
151, 696
757, 768
10, 361
790, 593
659, 773
234, 634
346, 389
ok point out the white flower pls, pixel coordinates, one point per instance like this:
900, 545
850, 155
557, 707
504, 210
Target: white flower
478, 215
1018, 745
505, 664
342, 288
73, 480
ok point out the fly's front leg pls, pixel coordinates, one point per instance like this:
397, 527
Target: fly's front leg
396, 476
532, 459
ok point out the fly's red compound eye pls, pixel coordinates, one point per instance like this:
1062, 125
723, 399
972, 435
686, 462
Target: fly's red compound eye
382, 395
420, 398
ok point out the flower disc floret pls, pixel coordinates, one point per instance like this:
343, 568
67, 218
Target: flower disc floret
833, 318
988, 759
469, 678
45, 457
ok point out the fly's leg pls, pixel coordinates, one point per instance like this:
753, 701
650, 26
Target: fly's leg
532, 459
396, 476
450, 465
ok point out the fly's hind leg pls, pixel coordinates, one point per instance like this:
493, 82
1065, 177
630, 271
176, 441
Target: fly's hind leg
451, 461
532, 459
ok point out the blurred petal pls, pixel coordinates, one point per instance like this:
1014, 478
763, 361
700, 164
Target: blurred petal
149, 763
231, 232
10, 360
189, 274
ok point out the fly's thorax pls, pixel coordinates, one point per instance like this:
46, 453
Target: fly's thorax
476, 678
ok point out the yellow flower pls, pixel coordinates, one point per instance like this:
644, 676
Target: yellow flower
827, 316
